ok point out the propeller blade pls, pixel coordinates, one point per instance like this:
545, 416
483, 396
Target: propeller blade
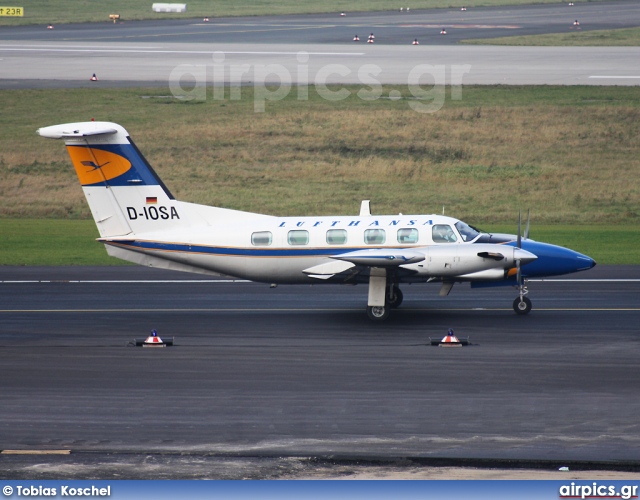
519, 274
526, 229
519, 245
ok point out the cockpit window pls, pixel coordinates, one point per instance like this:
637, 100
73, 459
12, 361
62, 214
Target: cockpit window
467, 232
442, 233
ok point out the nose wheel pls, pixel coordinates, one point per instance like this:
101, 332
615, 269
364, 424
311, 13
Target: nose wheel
522, 305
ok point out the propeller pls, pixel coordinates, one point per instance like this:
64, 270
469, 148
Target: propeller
519, 246
518, 261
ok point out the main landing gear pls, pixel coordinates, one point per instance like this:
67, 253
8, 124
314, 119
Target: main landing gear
378, 313
392, 299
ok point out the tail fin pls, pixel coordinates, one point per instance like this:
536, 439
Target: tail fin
123, 191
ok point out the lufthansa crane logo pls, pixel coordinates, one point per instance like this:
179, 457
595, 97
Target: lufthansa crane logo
95, 166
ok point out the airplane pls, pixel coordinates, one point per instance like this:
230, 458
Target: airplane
139, 220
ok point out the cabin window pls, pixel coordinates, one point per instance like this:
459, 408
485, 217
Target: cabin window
262, 238
374, 236
298, 237
336, 236
408, 235
442, 233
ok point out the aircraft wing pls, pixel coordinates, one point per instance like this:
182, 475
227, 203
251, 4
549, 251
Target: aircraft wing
393, 257
378, 257
328, 269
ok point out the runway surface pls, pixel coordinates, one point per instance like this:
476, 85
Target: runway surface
301, 371
319, 50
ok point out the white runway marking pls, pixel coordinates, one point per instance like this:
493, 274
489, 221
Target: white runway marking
600, 280
122, 281
615, 77
140, 51
559, 280
306, 309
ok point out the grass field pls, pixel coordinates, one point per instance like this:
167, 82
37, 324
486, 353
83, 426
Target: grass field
596, 38
76, 11
570, 154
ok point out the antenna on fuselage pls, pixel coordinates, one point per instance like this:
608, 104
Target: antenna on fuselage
365, 208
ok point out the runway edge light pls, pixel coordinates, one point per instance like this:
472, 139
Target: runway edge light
152, 340
449, 340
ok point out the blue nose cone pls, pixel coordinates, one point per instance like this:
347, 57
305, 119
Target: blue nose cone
554, 260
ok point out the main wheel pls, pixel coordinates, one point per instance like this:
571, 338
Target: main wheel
396, 298
522, 306
378, 313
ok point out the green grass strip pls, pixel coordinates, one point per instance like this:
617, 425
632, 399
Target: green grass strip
575, 38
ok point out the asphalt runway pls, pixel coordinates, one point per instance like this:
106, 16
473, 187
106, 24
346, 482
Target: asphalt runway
318, 50
301, 371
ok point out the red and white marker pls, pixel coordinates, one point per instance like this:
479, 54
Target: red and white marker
153, 340
450, 340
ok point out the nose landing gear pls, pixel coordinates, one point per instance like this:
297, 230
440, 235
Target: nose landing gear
522, 305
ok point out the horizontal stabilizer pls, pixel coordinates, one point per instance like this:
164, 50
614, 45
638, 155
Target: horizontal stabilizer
328, 269
382, 257
82, 129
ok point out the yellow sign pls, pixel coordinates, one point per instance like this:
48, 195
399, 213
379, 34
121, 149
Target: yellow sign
12, 11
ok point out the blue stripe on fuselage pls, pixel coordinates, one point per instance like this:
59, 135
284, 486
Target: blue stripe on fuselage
233, 252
